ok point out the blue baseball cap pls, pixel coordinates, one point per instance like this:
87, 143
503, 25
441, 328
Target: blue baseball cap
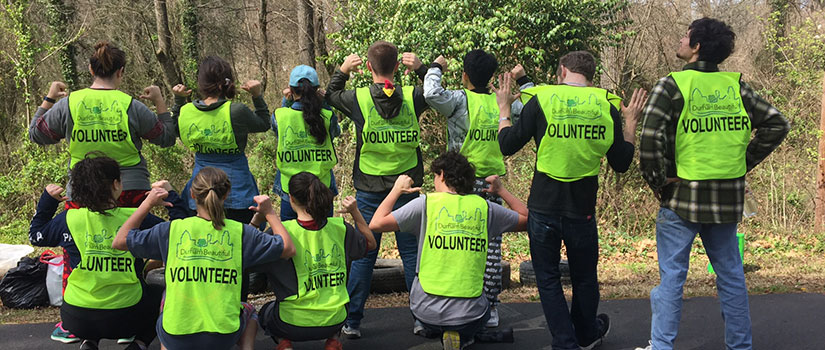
303, 72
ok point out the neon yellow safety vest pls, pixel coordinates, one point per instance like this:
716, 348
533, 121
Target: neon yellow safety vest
389, 146
321, 267
454, 253
299, 151
579, 132
105, 278
101, 124
203, 277
714, 129
528, 93
480, 146
207, 131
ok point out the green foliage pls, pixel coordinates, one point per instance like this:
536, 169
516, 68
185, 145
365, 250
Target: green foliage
57, 14
24, 62
532, 32
191, 51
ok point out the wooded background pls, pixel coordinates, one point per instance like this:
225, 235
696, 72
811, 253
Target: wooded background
779, 49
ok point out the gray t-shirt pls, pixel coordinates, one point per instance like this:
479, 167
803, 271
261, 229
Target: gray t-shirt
446, 311
258, 248
49, 126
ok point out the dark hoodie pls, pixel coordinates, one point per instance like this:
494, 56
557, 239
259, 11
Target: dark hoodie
387, 107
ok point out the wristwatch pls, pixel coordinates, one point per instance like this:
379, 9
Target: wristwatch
503, 119
48, 99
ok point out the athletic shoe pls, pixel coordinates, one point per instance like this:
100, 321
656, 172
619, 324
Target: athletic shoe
648, 347
88, 345
126, 340
351, 333
418, 328
493, 321
604, 327
333, 344
450, 340
284, 344
62, 335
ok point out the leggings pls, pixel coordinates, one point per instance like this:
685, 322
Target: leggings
95, 324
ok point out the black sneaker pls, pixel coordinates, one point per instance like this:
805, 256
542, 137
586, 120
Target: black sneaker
603, 322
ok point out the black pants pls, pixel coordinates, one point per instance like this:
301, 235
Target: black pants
95, 324
243, 216
271, 322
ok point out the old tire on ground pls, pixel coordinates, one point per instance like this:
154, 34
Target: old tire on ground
155, 277
527, 275
505, 275
388, 276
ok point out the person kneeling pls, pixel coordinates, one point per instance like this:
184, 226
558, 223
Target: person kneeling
446, 295
311, 288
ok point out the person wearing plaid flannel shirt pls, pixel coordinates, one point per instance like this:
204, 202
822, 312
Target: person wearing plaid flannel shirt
695, 150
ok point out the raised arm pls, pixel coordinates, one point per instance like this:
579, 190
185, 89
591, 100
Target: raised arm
336, 96
512, 201
154, 198
350, 206
442, 100
383, 221
265, 209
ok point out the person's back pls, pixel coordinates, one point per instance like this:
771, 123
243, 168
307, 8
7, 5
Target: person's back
217, 129
695, 151
387, 146
453, 227
205, 257
101, 118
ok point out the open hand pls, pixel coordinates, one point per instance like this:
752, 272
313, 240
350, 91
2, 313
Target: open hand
503, 95
633, 111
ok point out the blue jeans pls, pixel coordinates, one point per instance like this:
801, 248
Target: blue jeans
580, 236
360, 275
674, 238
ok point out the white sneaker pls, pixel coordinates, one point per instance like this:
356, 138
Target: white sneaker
493, 321
418, 328
648, 347
351, 333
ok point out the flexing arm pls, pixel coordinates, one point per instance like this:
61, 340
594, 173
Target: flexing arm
383, 221
350, 206
515, 204
336, 96
274, 220
44, 230
154, 198
442, 100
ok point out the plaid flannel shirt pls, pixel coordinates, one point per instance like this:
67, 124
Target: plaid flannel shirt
708, 201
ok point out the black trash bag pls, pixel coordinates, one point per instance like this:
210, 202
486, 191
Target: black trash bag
24, 287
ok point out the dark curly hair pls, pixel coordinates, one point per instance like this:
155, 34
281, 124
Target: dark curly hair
459, 173
307, 190
215, 78
480, 66
91, 182
715, 38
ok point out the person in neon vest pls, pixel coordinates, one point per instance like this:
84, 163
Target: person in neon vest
311, 287
105, 296
305, 137
472, 128
217, 129
695, 151
574, 126
102, 118
205, 256
453, 226
387, 145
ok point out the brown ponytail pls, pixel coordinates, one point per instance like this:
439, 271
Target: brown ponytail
107, 59
210, 188
307, 190
215, 78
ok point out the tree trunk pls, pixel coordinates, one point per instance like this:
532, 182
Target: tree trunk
321, 39
263, 63
819, 212
58, 14
164, 54
306, 26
